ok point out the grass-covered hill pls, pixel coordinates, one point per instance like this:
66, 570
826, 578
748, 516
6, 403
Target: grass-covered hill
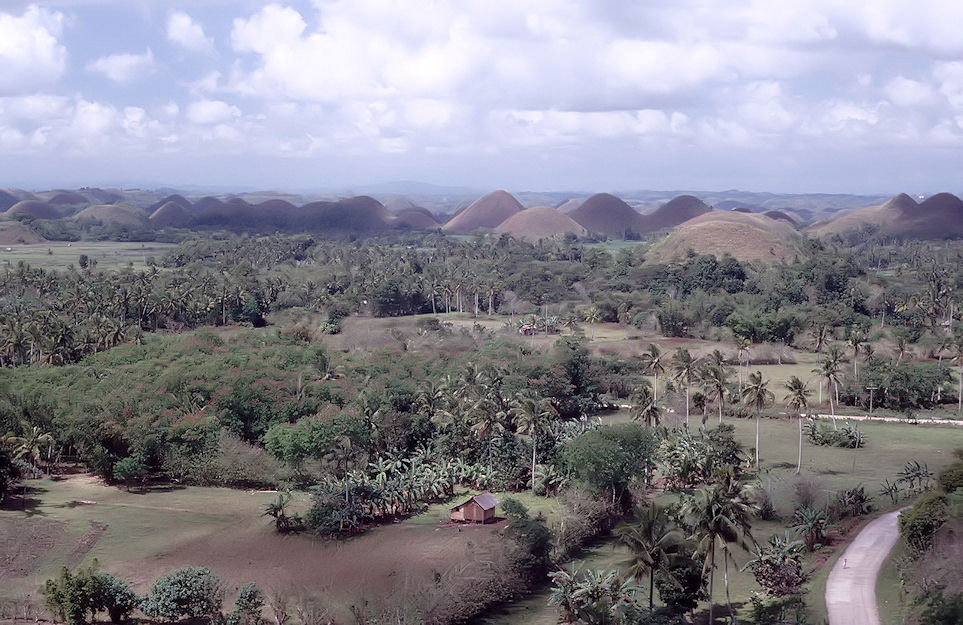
487, 211
745, 236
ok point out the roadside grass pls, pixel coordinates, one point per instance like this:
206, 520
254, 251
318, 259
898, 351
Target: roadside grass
889, 592
59, 255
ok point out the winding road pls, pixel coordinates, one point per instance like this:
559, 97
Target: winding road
851, 587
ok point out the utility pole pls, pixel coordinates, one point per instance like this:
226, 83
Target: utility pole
871, 389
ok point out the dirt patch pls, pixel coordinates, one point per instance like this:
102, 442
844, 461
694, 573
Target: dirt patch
86, 542
23, 544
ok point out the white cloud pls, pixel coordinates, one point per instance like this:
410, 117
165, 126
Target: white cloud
125, 67
905, 92
185, 32
211, 112
31, 54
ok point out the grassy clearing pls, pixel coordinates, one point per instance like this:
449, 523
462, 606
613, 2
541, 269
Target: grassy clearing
141, 536
59, 255
889, 593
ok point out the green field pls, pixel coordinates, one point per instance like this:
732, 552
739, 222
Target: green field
59, 255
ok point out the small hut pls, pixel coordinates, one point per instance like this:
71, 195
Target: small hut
478, 509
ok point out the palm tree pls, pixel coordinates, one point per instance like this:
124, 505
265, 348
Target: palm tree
531, 414
719, 514
757, 394
820, 336
716, 379
829, 370
651, 540
797, 399
593, 315
652, 361
743, 346
32, 444
684, 367
644, 407
855, 342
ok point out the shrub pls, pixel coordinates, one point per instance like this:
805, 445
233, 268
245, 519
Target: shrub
951, 478
514, 509
918, 525
72, 595
191, 592
247, 606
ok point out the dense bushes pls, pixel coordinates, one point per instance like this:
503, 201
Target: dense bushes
73, 595
190, 592
919, 524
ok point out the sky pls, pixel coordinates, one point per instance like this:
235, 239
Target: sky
550, 95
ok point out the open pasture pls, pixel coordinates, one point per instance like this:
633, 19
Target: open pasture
142, 536
59, 255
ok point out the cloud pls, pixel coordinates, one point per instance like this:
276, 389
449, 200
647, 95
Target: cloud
185, 32
211, 112
125, 67
31, 55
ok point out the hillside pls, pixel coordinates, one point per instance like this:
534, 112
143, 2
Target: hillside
180, 200
540, 222
744, 236
415, 218
32, 209
604, 213
170, 215
674, 212
938, 217
112, 214
14, 232
68, 198
486, 212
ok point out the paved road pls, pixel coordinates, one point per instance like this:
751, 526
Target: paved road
851, 587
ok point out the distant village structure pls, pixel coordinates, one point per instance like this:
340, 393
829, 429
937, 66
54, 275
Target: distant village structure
478, 509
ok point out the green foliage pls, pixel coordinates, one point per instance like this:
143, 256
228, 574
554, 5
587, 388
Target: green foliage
9, 472
919, 524
683, 585
73, 595
533, 545
514, 509
187, 592
823, 434
129, 469
951, 477
902, 386
247, 606
608, 458
943, 610
777, 566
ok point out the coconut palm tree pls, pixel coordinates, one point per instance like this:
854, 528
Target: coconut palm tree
797, 400
651, 540
855, 341
829, 371
757, 395
683, 369
715, 378
820, 336
719, 515
593, 316
644, 407
531, 414
32, 444
652, 361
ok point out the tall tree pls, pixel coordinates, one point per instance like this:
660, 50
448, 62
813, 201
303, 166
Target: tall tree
757, 395
652, 361
719, 515
531, 415
797, 400
651, 539
684, 368
644, 407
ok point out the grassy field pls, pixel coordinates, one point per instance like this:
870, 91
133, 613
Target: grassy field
141, 536
59, 255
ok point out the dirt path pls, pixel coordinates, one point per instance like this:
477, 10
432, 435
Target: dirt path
851, 587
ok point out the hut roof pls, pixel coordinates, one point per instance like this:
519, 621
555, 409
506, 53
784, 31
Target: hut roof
485, 500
